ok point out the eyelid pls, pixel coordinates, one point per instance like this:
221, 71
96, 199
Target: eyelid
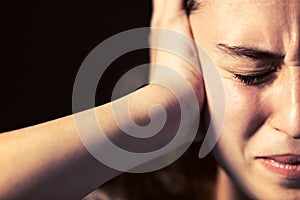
256, 79
259, 73
259, 70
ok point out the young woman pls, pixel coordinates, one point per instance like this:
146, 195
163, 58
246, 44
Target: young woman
255, 47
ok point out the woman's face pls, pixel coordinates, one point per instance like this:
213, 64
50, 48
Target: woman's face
255, 46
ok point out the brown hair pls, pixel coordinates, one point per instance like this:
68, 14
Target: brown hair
191, 5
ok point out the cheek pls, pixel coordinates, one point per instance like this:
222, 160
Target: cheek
244, 116
244, 110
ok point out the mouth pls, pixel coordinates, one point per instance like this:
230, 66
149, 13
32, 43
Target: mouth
287, 165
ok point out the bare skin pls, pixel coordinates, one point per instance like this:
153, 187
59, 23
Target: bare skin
48, 161
262, 90
259, 121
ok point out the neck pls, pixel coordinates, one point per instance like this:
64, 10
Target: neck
226, 189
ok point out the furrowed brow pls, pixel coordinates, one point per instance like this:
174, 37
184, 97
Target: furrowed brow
249, 53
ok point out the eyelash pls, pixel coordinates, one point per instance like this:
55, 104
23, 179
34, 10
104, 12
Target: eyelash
255, 79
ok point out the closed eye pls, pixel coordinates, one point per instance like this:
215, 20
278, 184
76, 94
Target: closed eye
256, 79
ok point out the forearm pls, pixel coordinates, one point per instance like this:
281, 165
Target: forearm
49, 161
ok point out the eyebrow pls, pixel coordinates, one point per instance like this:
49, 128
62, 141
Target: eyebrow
250, 52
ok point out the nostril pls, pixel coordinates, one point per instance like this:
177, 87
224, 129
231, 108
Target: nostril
297, 137
285, 103
287, 126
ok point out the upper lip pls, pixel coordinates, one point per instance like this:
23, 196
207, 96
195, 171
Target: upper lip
284, 158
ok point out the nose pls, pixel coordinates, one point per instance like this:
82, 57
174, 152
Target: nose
287, 115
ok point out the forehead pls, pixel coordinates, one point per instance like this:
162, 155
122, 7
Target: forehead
271, 23
240, 8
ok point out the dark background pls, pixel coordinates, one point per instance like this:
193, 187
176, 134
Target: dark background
43, 45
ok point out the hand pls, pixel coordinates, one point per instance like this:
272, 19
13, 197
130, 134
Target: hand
171, 15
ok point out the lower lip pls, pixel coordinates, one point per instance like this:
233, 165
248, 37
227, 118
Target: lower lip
282, 169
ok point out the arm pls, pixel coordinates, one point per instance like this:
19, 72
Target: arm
48, 161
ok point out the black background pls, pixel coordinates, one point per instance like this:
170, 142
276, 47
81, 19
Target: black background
43, 45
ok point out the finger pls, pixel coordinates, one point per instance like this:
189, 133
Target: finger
157, 5
170, 15
164, 10
176, 48
171, 6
